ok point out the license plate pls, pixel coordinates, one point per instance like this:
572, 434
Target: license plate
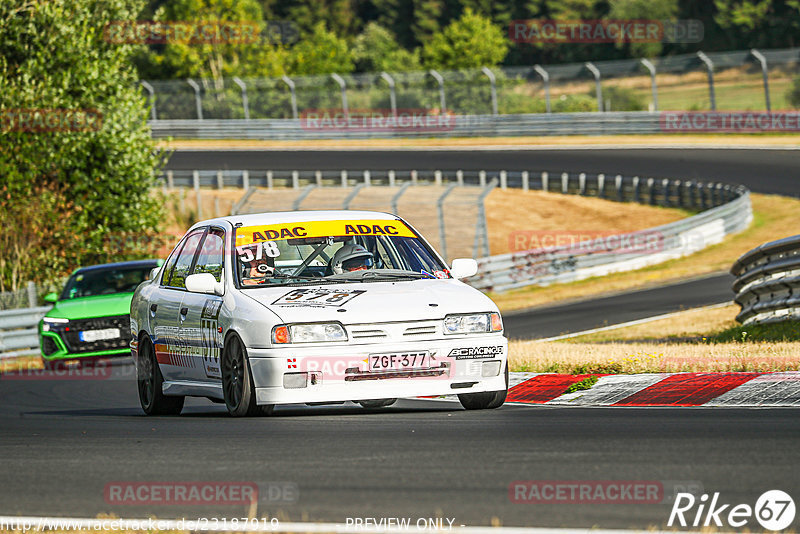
98, 335
398, 361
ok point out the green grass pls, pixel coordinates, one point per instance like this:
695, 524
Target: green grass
584, 384
782, 331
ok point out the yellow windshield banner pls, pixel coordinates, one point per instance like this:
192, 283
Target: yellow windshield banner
271, 232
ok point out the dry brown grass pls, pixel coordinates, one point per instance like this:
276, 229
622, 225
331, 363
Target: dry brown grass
19, 364
774, 217
629, 358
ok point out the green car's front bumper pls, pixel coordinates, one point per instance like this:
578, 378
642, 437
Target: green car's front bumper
53, 349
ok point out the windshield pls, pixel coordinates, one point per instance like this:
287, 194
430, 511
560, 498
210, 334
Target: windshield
332, 251
104, 282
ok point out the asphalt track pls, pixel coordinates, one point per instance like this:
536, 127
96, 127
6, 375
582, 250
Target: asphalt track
63, 441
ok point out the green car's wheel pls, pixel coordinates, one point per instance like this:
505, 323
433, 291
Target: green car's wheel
150, 380
237, 381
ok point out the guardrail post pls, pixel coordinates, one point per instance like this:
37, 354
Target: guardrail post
437, 177
392, 178
546, 81
367, 178
440, 80
489, 74
292, 94
525, 181
295, 180
351, 196
601, 185
545, 182
582, 183
414, 176
344, 178
198, 100
618, 187
270, 180
503, 180
396, 197
649, 66
318, 178
220, 181
152, 93
482, 178
302, 196
598, 86
460, 177
245, 180
651, 192
636, 189
392, 94
245, 104
440, 212
343, 87
564, 183
665, 187
32, 297
170, 180
710, 67
764, 73
481, 228
196, 180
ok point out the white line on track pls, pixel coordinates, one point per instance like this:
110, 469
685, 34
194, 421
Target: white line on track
632, 323
484, 148
111, 525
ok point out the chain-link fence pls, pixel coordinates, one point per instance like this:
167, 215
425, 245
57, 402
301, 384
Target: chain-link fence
739, 80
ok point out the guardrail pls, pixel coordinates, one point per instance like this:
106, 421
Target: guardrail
18, 332
767, 282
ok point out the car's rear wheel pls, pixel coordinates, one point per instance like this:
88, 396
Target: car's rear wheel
237, 381
377, 403
149, 380
486, 400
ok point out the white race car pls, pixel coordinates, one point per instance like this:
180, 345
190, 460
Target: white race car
313, 307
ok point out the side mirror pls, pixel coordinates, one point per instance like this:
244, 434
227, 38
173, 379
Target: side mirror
464, 268
203, 283
154, 273
52, 298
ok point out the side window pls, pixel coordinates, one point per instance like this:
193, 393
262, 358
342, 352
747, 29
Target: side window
211, 254
167, 272
184, 261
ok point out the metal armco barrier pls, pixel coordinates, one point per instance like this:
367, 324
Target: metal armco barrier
767, 282
18, 333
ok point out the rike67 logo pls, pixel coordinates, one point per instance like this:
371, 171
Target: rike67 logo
774, 510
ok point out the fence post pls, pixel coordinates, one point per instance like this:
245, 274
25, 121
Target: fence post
196, 180
351, 197
437, 177
525, 181
636, 189
460, 177
489, 74
649, 66
481, 228
618, 186
220, 181
150, 90
546, 81
651, 191
440, 212
216, 206
270, 180
32, 297
344, 178
318, 178
198, 100
601, 185
170, 180
564, 183
440, 80
764, 73
545, 182
245, 104
482, 178
503, 180
302, 196
598, 87
582, 183
392, 178
343, 86
295, 180
414, 176
292, 95
367, 179
392, 94
396, 197
710, 66
665, 186
199, 205
245, 180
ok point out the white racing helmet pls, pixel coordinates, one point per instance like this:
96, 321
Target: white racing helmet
351, 257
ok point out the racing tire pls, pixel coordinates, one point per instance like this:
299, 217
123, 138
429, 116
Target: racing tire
376, 403
149, 381
237, 381
487, 400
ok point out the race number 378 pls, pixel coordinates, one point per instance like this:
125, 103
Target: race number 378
318, 297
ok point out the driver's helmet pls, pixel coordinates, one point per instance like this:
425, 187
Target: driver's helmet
351, 257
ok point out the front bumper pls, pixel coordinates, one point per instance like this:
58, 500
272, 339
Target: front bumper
53, 341
341, 371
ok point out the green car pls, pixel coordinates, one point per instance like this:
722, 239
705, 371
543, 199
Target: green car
90, 320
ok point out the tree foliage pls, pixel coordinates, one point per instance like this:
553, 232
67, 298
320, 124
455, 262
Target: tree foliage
469, 42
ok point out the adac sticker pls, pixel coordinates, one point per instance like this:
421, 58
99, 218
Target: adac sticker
271, 232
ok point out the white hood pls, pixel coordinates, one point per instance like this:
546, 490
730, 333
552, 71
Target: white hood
376, 302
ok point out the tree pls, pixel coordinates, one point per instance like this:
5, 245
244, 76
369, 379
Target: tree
643, 10
376, 50
71, 184
759, 23
470, 42
322, 52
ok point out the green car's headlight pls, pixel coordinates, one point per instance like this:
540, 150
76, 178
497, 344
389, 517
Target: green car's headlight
308, 333
49, 323
473, 323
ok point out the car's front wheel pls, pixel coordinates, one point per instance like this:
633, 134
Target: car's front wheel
486, 400
237, 381
149, 380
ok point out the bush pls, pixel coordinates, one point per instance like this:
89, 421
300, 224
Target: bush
793, 94
622, 99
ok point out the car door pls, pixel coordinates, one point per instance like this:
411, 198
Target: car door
172, 351
199, 313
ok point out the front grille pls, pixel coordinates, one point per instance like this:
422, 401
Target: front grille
367, 334
74, 343
394, 331
420, 330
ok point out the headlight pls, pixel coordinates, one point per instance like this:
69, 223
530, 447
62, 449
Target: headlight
308, 333
48, 323
475, 323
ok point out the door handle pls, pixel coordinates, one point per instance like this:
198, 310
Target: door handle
184, 311
153, 307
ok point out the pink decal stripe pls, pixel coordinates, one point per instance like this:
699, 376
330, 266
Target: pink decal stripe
687, 389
